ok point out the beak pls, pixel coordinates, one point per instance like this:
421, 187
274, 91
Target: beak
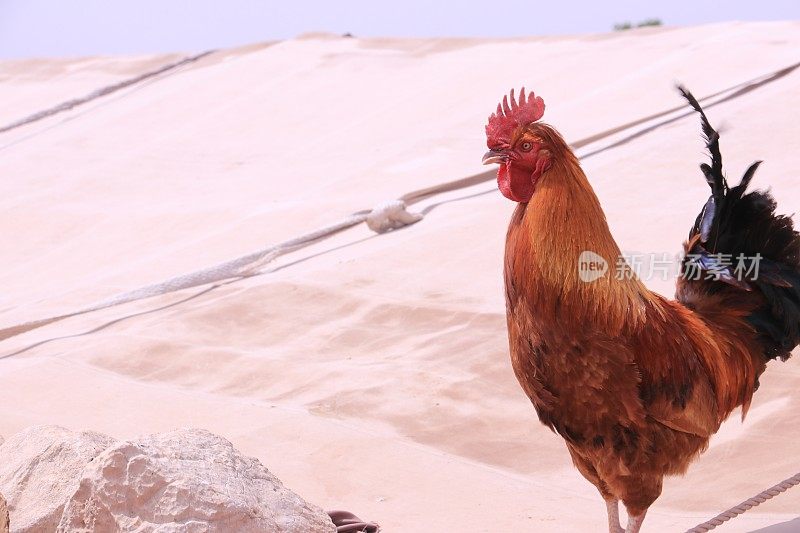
494, 156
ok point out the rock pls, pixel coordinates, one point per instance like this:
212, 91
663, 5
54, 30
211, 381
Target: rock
185, 481
3, 515
39, 471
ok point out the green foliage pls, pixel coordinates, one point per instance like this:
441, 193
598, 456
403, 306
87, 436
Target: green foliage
622, 26
649, 22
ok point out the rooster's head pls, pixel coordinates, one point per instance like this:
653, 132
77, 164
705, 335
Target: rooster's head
519, 144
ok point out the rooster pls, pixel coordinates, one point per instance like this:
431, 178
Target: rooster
635, 383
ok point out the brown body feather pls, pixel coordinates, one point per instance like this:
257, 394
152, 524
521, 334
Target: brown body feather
635, 384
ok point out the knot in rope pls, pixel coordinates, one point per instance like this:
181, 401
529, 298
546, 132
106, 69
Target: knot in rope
391, 215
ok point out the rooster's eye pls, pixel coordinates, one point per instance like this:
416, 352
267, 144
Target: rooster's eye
526, 146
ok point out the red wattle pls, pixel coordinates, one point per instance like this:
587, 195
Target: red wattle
516, 183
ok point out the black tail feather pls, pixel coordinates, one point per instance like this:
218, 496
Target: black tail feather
712, 142
737, 224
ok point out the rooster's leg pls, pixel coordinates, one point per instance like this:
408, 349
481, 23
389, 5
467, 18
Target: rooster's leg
635, 522
612, 506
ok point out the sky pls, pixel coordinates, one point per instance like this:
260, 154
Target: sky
58, 28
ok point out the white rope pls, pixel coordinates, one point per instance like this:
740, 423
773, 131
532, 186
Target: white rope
103, 91
389, 216
746, 505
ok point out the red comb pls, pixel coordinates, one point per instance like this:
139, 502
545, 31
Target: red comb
507, 118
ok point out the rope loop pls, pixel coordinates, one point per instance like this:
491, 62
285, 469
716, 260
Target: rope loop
390, 216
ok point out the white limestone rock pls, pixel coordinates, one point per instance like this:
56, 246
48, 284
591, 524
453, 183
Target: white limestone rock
3, 515
184, 481
39, 470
